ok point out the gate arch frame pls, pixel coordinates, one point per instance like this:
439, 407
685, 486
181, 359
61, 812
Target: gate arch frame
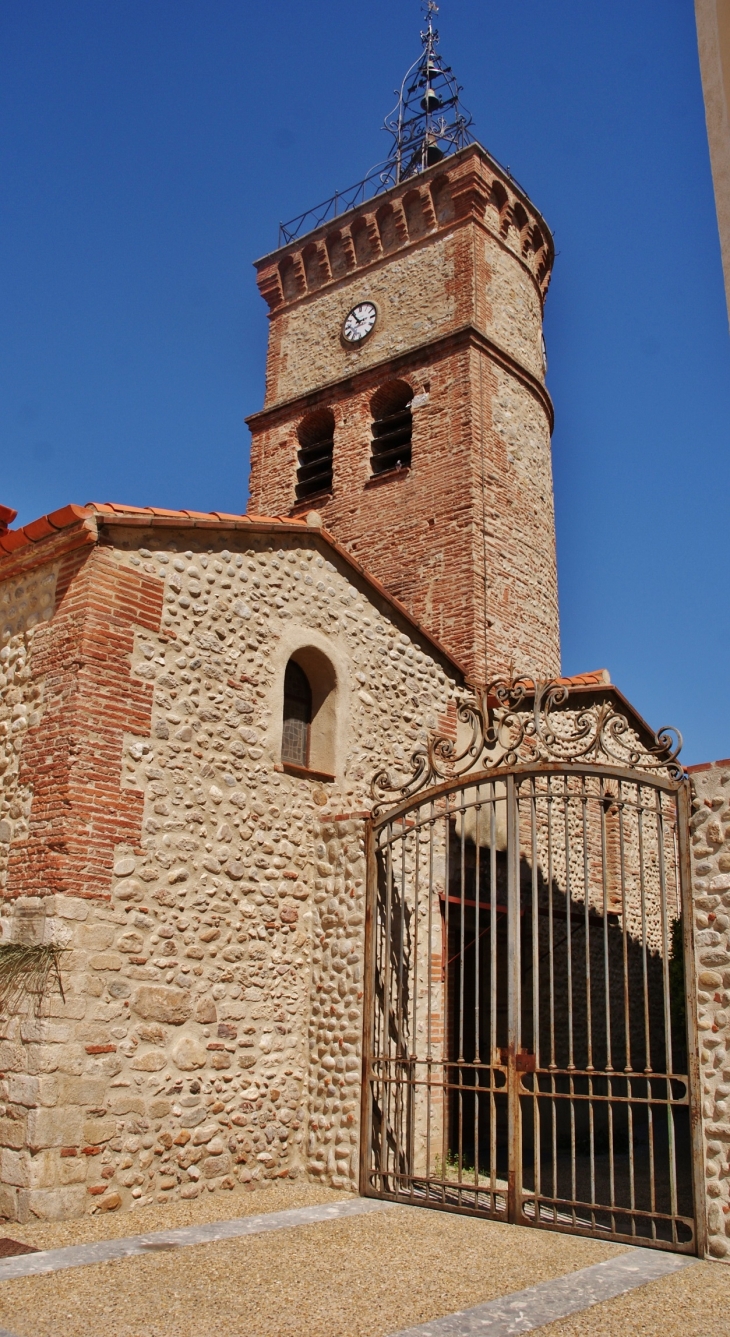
663, 776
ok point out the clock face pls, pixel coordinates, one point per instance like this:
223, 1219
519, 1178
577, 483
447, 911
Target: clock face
359, 323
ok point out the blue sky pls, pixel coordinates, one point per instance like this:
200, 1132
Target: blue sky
149, 149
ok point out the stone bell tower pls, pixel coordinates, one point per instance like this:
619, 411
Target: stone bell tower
405, 386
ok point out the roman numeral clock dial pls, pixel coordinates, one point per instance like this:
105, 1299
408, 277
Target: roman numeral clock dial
359, 323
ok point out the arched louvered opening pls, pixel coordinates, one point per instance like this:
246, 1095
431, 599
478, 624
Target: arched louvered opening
519, 218
297, 716
392, 427
316, 435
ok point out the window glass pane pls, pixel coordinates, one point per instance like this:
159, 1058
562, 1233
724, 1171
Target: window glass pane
297, 716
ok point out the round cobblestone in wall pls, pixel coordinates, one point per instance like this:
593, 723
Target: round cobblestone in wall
212, 1028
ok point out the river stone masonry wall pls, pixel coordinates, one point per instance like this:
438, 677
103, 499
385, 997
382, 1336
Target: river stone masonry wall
710, 843
211, 1031
24, 602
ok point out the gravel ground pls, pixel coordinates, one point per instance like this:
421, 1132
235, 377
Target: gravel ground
692, 1303
275, 1197
364, 1277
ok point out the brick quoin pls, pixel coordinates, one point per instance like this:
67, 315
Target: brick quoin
465, 537
71, 760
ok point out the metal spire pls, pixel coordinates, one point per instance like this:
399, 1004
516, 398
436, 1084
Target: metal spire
428, 121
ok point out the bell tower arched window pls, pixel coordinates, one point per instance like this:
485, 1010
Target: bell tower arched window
297, 716
316, 435
392, 427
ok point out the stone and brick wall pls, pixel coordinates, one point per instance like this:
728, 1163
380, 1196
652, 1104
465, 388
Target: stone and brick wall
465, 535
475, 250
710, 843
211, 904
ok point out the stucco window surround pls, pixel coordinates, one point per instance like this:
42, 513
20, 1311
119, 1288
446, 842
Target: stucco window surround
327, 675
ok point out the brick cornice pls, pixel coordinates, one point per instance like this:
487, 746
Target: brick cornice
450, 166
469, 218
49, 548
464, 336
472, 173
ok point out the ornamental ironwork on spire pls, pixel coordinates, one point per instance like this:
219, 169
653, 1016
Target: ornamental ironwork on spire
427, 123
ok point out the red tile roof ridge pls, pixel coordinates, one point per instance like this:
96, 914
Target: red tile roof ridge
117, 509
595, 678
72, 514
36, 530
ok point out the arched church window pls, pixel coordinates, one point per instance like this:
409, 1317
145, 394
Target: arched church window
309, 737
297, 716
316, 435
392, 427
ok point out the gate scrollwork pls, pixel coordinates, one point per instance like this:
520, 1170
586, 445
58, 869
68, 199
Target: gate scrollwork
517, 721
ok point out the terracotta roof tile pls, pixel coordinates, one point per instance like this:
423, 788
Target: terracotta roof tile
106, 506
66, 516
13, 539
71, 515
39, 529
596, 678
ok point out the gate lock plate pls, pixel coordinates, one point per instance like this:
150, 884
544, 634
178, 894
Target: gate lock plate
525, 1061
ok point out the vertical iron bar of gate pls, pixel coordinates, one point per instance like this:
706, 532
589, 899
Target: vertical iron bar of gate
476, 1070
535, 898
462, 971
368, 1012
401, 1021
588, 995
569, 985
429, 997
551, 959
413, 1055
667, 1001
446, 1005
649, 1057
690, 994
607, 999
628, 1064
514, 1181
494, 1056
387, 1004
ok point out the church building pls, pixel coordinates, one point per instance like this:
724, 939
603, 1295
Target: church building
322, 870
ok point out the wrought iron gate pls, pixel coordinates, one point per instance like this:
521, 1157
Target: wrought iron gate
529, 1055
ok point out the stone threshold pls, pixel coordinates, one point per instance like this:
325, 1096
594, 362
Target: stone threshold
524, 1311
